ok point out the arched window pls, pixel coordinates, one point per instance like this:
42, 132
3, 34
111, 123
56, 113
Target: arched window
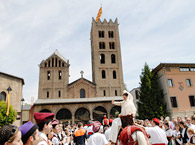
82, 93
52, 62
115, 92
113, 58
56, 62
103, 74
102, 58
48, 75
59, 63
59, 94
62, 64
47, 94
104, 92
49, 63
114, 74
2, 96
45, 64
60, 75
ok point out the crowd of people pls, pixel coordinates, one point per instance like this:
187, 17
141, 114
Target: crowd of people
124, 130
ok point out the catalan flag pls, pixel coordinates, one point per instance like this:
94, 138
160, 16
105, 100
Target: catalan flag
99, 14
8, 101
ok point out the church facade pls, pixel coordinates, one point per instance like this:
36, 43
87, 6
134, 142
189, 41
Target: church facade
83, 99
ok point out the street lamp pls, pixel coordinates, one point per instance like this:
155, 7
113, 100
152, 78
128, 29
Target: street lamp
22, 100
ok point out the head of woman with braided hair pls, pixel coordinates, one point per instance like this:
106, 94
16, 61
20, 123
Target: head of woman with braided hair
10, 135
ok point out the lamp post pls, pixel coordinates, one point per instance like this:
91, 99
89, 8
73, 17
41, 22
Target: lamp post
9, 89
22, 100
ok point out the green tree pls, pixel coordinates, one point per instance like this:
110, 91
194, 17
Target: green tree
12, 114
151, 99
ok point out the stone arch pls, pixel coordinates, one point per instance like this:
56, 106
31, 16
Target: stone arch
98, 113
45, 110
82, 115
64, 115
114, 111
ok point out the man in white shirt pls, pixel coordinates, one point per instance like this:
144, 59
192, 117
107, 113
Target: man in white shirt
189, 124
97, 138
108, 131
157, 135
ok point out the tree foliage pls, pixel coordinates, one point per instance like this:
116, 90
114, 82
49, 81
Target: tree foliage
151, 99
10, 118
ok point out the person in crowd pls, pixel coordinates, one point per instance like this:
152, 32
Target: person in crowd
192, 136
193, 119
184, 133
89, 130
44, 122
168, 132
10, 135
30, 133
80, 135
97, 138
107, 132
105, 121
127, 108
189, 124
56, 129
157, 135
177, 135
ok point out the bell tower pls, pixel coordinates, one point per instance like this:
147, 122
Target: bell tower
107, 71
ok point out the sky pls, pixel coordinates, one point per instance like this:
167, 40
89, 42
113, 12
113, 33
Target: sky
151, 31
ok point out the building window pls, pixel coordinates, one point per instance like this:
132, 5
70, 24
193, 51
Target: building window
114, 74
115, 92
188, 82
60, 74
137, 94
82, 93
59, 63
62, 64
192, 101
184, 69
110, 34
104, 92
48, 75
59, 94
170, 83
47, 94
49, 63
102, 58
111, 45
56, 62
103, 74
2, 96
113, 58
45, 64
102, 45
52, 62
101, 34
173, 101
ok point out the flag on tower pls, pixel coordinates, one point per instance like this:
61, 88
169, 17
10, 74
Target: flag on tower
99, 14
